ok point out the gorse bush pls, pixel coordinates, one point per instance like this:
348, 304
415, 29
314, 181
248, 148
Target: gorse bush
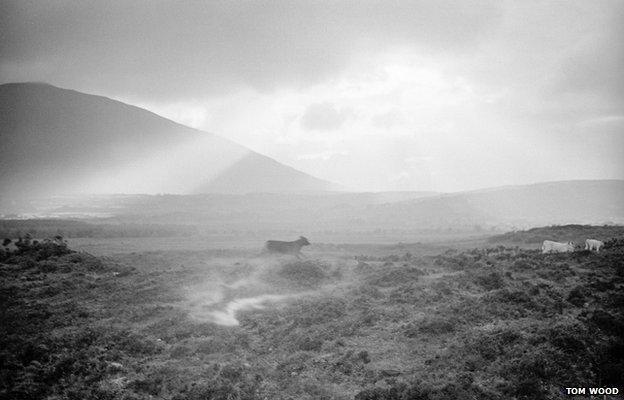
28, 249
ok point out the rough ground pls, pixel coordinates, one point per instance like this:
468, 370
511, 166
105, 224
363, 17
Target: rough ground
487, 323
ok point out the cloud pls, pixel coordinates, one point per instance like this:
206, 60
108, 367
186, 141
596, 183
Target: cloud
594, 66
324, 156
387, 119
323, 117
458, 94
168, 49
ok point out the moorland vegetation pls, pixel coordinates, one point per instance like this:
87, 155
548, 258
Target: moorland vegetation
489, 323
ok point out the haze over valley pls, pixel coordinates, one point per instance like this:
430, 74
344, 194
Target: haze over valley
72, 155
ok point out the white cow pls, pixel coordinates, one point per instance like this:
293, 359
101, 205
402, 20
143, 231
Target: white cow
557, 247
593, 244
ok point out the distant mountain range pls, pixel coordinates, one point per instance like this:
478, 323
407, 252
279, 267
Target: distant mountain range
58, 141
582, 201
355, 216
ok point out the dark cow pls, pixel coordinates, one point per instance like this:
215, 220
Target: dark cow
294, 248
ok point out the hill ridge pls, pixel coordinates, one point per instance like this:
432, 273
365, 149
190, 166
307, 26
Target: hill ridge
62, 141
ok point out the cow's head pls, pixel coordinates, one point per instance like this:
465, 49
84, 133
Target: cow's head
303, 241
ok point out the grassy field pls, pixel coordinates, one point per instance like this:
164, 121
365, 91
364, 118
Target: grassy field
461, 320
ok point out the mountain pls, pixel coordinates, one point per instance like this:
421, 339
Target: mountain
57, 141
565, 202
351, 217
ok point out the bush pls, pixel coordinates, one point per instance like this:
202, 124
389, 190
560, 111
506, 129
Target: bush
609, 323
322, 311
609, 362
572, 339
27, 251
517, 297
306, 273
305, 341
578, 296
490, 281
394, 276
434, 325
521, 265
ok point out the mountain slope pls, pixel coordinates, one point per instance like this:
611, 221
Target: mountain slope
399, 216
58, 141
588, 201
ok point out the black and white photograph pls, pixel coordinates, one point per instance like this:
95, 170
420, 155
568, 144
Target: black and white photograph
311, 199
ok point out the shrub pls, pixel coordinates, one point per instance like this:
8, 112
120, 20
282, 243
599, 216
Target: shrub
490, 281
518, 297
366, 292
434, 325
572, 338
305, 341
521, 265
321, 311
364, 356
350, 363
306, 273
609, 362
405, 294
294, 363
604, 320
578, 296
394, 276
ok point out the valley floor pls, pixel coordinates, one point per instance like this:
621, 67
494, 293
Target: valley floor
417, 321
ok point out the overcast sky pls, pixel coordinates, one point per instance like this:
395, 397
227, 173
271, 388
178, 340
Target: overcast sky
374, 95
